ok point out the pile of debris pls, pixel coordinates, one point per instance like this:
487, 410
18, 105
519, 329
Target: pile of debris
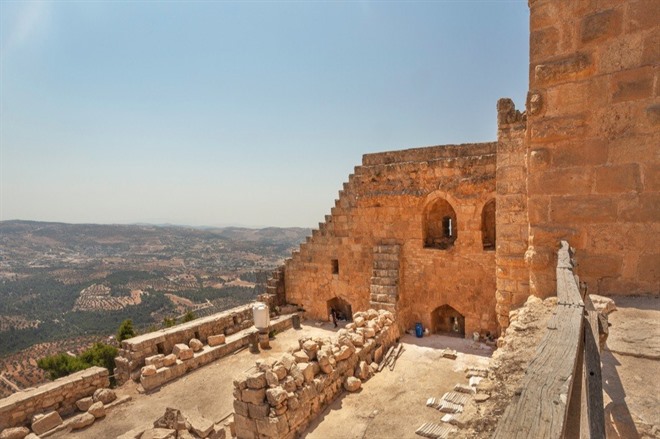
174, 425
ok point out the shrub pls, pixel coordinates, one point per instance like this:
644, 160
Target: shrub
125, 330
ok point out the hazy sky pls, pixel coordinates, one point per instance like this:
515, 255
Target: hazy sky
242, 113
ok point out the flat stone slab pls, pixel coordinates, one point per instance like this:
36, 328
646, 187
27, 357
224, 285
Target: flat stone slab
635, 329
435, 431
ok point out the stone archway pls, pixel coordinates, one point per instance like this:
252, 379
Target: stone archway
447, 321
342, 307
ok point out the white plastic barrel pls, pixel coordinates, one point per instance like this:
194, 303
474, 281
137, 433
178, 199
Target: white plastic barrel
261, 316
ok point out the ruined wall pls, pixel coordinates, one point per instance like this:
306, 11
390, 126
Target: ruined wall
512, 221
377, 236
134, 351
593, 130
280, 399
60, 395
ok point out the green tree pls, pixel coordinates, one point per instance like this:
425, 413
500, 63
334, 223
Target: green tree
169, 322
189, 316
61, 365
100, 354
125, 330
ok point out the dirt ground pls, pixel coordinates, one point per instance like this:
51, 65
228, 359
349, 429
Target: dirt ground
392, 404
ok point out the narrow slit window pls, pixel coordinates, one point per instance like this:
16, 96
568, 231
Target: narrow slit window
335, 266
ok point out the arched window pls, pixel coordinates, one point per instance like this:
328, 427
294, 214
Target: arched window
440, 229
488, 225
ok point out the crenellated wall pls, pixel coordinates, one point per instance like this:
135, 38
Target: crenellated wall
386, 202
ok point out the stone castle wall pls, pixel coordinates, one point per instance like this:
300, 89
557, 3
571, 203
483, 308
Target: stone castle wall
134, 351
371, 251
593, 130
60, 395
280, 399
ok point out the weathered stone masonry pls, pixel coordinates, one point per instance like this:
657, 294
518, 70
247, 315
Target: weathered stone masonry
60, 395
382, 246
580, 164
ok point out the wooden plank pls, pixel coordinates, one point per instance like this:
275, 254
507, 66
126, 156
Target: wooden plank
594, 428
541, 409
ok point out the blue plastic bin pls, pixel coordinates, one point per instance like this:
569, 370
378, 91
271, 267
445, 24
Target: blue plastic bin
419, 330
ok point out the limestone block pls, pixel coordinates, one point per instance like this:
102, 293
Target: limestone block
310, 348
241, 408
258, 411
46, 422
185, 434
362, 370
344, 353
273, 427
256, 380
301, 357
288, 361
245, 428
97, 409
182, 351
80, 421
253, 396
159, 433
297, 375
602, 304
106, 396
156, 360
84, 403
135, 433
14, 433
169, 360
196, 345
148, 370
172, 419
276, 396
271, 378
352, 384
215, 340
289, 384
307, 371
199, 425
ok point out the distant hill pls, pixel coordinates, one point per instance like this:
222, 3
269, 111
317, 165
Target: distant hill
62, 280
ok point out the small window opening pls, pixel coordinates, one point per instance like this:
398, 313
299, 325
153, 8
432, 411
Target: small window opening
197, 335
440, 225
161, 348
335, 266
488, 225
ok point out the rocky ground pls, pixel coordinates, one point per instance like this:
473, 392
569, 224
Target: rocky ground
392, 404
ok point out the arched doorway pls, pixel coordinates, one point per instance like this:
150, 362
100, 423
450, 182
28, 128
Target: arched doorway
440, 227
342, 307
447, 321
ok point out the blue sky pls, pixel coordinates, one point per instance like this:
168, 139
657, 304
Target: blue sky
241, 113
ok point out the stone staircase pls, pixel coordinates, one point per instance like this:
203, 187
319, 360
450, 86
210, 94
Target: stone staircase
384, 287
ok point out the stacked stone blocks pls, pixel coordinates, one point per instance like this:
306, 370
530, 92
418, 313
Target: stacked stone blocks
59, 396
134, 351
281, 398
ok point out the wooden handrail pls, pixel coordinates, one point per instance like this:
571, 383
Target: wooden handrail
552, 403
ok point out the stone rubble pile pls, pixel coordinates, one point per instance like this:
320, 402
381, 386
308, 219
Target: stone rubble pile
281, 398
174, 425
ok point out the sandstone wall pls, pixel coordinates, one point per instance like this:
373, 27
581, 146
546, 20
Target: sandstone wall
371, 250
280, 399
593, 130
60, 395
135, 350
189, 356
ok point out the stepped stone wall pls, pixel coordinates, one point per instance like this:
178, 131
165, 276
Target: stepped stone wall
60, 395
280, 399
389, 201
